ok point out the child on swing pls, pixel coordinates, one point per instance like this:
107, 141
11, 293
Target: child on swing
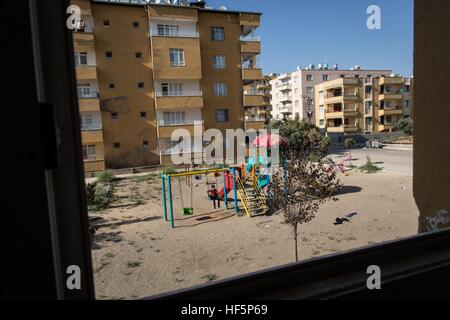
213, 195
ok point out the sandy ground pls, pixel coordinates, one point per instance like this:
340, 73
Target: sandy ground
137, 254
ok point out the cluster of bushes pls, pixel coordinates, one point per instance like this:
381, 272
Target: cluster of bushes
100, 194
406, 125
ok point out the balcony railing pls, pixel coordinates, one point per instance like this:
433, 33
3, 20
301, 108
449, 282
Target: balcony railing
177, 34
164, 123
88, 95
253, 92
250, 38
90, 126
179, 94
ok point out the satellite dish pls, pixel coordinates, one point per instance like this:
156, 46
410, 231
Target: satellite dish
223, 8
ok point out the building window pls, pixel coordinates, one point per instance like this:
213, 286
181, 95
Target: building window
295, 79
219, 62
296, 103
111, 85
220, 89
222, 115
143, 114
116, 145
106, 23
140, 85
138, 55
89, 152
90, 121
321, 122
108, 54
84, 90
114, 115
168, 30
135, 24
309, 77
176, 57
174, 118
171, 89
81, 58
325, 77
217, 34
145, 143
309, 89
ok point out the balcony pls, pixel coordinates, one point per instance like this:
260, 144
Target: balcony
343, 129
390, 111
340, 83
285, 87
86, 72
346, 97
248, 46
251, 74
336, 114
284, 76
84, 37
191, 69
391, 81
287, 108
386, 127
89, 102
183, 100
250, 20
391, 96
176, 34
92, 136
257, 123
165, 130
286, 98
253, 99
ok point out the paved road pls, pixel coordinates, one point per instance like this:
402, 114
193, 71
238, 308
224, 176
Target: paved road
390, 160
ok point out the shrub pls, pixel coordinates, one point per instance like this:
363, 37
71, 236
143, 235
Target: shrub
406, 125
105, 177
168, 170
369, 167
99, 197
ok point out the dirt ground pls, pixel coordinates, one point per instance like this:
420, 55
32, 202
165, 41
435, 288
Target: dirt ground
136, 253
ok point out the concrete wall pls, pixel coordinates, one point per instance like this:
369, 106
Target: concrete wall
432, 113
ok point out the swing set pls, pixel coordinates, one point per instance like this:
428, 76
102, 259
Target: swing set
229, 183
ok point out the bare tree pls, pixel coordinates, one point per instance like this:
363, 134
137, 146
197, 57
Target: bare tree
298, 193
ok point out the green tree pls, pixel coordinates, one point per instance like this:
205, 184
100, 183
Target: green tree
406, 125
298, 194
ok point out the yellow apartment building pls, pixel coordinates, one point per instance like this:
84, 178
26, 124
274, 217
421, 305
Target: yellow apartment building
145, 69
362, 105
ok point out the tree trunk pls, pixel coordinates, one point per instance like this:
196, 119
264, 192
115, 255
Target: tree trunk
296, 242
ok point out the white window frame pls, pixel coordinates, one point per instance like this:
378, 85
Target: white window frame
84, 90
171, 89
176, 57
168, 30
171, 118
89, 152
78, 58
217, 33
219, 62
309, 77
222, 115
221, 89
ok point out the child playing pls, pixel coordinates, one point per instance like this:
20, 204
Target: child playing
213, 195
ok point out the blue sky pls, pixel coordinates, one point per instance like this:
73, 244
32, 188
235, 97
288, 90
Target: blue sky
300, 32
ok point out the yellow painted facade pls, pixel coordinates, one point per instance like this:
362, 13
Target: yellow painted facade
362, 105
144, 71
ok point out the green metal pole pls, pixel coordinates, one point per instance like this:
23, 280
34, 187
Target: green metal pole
163, 185
169, 180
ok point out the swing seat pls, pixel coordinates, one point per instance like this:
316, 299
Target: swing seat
188, 211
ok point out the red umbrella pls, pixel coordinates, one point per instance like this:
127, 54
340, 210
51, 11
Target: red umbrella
268, 140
